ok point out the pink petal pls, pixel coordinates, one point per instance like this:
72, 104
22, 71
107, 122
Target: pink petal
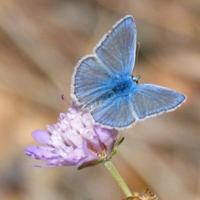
106, 136
41, 136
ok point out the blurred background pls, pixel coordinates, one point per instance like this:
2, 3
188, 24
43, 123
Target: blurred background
40, 43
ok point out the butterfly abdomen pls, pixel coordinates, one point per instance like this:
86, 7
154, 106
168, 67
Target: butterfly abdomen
90, 105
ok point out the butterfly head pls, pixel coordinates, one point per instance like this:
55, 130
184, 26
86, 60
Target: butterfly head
136, 78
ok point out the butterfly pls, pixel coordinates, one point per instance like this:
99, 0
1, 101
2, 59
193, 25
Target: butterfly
103, 85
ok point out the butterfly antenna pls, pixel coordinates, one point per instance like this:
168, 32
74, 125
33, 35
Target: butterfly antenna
137, 53
63, 98
136, 60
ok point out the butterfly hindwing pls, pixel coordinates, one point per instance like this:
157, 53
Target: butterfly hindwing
115, 112
145, 101
150, 100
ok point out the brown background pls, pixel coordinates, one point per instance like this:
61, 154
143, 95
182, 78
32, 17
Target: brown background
40, 43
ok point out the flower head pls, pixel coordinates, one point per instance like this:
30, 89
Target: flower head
73, 140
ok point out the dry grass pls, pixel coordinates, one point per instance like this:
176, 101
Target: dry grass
40, 43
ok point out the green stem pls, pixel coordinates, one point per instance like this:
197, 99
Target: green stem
118, 178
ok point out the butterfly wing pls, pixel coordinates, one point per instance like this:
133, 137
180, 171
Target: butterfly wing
117, 49
145, 101
150, 100
114, 56
115, 112
91, 80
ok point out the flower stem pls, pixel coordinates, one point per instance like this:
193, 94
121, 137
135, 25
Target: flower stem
118, 178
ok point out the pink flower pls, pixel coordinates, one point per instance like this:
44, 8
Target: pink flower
74, 140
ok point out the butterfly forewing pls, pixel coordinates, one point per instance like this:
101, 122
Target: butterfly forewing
117, 49
91, 80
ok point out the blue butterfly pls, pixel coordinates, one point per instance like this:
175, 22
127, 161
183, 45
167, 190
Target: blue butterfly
103, 85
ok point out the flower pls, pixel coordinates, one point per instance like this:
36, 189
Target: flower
146, 194
74, 140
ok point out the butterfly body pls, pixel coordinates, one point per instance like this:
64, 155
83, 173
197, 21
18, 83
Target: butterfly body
123, 86
118, 88
103, 85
